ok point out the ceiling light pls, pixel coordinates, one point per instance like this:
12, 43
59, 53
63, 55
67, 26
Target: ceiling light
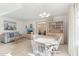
44, 14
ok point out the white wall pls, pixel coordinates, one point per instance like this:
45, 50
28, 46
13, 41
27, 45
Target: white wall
1, 26
19, 23
71, 32
72, 48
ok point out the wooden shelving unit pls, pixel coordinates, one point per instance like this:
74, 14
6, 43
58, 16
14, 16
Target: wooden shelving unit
56, 27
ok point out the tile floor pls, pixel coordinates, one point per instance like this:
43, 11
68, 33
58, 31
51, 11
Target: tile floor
23, 48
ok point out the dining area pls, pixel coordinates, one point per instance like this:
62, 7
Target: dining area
45, 45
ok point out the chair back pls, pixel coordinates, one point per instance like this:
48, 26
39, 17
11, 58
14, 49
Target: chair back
58, 41
60, 38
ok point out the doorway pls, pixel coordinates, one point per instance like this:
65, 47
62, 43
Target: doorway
41, 28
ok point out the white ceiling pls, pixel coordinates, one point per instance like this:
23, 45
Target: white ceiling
7, 8
32, 10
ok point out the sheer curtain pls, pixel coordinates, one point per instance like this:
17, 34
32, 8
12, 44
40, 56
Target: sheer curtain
77, 26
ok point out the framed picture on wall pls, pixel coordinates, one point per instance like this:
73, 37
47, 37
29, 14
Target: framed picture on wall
9, 25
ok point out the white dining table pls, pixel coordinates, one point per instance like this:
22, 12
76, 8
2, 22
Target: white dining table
44, 41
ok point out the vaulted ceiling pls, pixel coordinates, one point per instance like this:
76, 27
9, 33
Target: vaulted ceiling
25, 11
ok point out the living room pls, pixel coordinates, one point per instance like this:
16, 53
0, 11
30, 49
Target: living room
22, 23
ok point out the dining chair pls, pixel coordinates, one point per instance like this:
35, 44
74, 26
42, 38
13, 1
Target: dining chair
54, 47
35, 46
